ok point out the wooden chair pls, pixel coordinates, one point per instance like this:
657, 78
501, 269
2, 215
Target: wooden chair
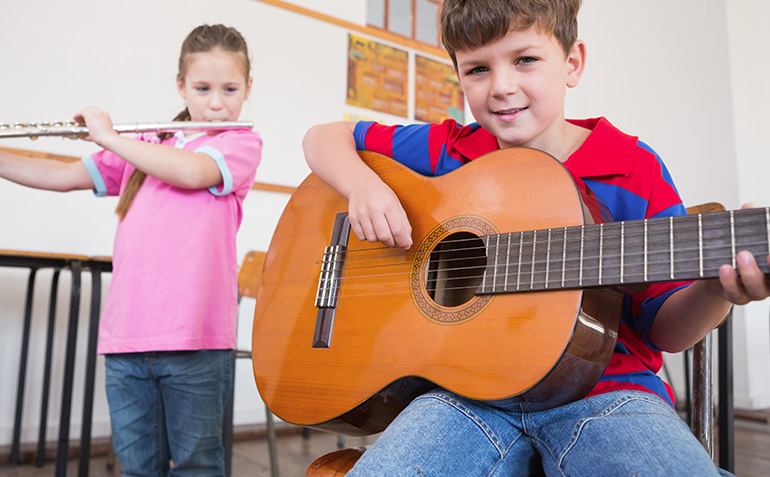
338, 463
248, 281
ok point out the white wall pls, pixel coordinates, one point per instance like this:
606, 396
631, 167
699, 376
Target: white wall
751, 98
653, 70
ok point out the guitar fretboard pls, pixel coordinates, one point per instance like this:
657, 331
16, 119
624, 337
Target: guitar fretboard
688, 247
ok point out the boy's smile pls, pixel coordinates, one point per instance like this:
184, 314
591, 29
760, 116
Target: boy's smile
516, 85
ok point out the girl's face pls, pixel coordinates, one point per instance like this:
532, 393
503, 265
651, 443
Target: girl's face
214, 86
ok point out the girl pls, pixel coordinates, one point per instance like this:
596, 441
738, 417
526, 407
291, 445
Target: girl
168, 326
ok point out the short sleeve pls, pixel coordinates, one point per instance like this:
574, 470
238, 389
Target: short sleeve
237, 154
106, 170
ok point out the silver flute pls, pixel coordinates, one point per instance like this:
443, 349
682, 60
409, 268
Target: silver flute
73, 130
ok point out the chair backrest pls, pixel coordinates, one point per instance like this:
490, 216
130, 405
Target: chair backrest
249, 274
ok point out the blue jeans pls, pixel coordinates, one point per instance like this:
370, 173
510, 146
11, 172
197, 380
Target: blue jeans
168, 406
622, 433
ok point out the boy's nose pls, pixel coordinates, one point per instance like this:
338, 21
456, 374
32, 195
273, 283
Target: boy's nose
503, 84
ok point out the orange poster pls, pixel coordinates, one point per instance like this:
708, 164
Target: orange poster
378, 76
438, 95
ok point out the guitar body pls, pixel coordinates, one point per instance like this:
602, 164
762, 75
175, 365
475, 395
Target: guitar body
395, 333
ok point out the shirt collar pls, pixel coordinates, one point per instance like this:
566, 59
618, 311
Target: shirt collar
606, 152
182, 140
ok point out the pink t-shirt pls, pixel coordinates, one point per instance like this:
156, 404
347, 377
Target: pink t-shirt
175, 270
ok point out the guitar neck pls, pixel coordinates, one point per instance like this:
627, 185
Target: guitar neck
688, 247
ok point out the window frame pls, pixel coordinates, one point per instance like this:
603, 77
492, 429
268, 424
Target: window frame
413, 36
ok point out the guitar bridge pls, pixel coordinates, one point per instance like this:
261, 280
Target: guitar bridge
329, 281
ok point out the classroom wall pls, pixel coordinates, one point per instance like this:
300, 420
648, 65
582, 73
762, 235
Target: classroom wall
689, 88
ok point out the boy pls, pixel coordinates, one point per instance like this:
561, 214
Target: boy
513, 59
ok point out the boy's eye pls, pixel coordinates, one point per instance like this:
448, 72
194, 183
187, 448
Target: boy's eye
526, 60
477, 70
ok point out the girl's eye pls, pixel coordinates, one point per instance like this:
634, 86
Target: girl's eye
202, 89
231, 90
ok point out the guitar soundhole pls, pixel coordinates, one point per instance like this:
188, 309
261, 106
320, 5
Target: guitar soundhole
455, 269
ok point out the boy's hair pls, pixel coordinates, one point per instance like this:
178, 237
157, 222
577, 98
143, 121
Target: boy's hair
202, 39
468, 24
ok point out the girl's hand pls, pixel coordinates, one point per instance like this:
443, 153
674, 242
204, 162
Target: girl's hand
99, 124
376, 215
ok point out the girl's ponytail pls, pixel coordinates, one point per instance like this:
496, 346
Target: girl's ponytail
137, 177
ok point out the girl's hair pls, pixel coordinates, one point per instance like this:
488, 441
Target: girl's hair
468, 24
202, 39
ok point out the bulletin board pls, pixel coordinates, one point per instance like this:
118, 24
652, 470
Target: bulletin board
438, 95
378, 76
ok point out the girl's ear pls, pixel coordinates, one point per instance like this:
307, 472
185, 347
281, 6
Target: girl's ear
576, 62
180, 88
248, 87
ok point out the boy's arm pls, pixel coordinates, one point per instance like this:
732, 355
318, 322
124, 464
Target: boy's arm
374, 211
177, 167
692, 312
47, 174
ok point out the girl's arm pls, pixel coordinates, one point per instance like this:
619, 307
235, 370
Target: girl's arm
177, 167
375, 213
48, 174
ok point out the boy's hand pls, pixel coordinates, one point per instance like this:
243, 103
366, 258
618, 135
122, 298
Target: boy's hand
98, 123
376, 215
751, 285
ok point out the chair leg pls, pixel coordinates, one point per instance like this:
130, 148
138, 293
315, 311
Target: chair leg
702, 404
271, 443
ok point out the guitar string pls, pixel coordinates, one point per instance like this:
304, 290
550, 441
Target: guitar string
526, 248
529, 270
665, 240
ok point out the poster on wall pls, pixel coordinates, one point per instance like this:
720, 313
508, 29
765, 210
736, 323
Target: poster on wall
378, 76
437, 92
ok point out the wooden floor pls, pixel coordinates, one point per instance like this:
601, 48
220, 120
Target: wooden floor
250, 456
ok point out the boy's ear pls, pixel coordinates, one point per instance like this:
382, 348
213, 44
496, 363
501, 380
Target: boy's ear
576, 62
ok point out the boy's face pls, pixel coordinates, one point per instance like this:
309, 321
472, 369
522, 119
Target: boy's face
515, 87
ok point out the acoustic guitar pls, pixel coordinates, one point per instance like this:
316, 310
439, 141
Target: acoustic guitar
509, 293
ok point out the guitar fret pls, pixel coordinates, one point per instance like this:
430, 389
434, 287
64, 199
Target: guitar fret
700, 244
671, 245
582, 241
486, 272
732, 235
532, 272
622, 248
507, 262
548, 258
767, 224
601, 250
518, 274
645, 250
564, 256
497, 257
